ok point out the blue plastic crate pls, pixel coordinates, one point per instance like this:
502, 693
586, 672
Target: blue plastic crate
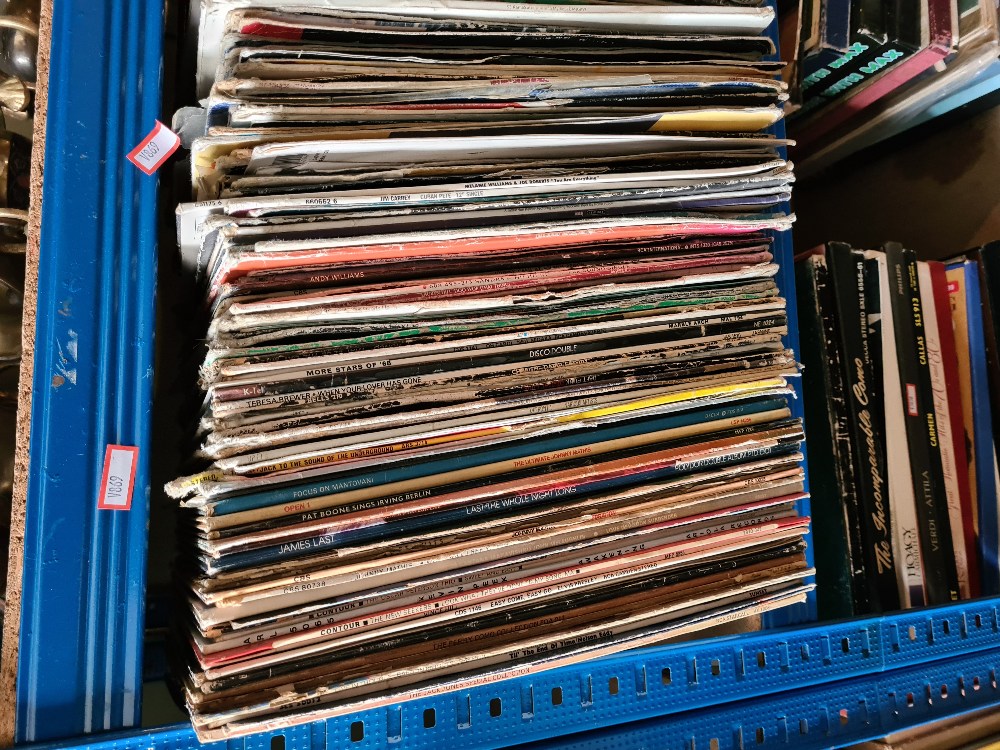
82, 611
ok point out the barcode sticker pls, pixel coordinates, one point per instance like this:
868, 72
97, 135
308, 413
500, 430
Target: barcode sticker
118, 478
155, 148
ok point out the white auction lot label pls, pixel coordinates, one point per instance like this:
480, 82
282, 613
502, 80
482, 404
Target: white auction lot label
155, 149
118, 478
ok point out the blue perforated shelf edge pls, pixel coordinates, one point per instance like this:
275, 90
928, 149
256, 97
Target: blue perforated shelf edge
80, 648
836, 715
682, 681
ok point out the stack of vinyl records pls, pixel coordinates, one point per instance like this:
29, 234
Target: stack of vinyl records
496, 376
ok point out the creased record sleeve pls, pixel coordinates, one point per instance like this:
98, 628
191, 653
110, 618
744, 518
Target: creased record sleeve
292, 381
297, 430
605, 114
304, 282
314, 155
248, 231
708, 119
644, 304
519, 305
647, 402
317, 584
402, 671
710, 371
193, 225
935, 536
635, 18
627, 229
429, 215
275, 623
577, 46
305, 310
608, 414
659, 397
246, 371
341, 494
636, 639
489, 381
447, 289
417, 547
300, 492
506, 312
636, 303
760, 513
523, 272
578, 576
510, 418
497, 82
636, 199
502, 627
762, 173
382, 510
706, 368
757, 195
718, 496
435, 512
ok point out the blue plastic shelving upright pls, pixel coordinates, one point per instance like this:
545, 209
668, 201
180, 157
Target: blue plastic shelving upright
82, 613
80, 649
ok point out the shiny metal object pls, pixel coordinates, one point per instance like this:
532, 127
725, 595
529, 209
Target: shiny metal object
19, 39
14, 95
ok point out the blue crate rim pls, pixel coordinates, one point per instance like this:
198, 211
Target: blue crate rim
682, 680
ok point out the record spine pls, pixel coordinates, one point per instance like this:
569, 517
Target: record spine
948, 401
940, 577
833, 551
841, 430
906, 537
847, 269
987, 259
